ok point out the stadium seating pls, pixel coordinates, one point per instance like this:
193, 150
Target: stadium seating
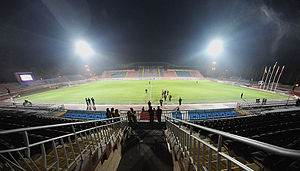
183, 73
151, 72
280, 129
160, 71
79, 114
118, 74
132, 74
106, 74
167, 73
212, 114
12, 119
196, 73
145, 72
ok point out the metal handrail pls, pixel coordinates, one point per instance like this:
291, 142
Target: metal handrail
92, 139
269, 103
258, 144
56, 125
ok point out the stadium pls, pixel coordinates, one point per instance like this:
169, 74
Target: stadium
101, 113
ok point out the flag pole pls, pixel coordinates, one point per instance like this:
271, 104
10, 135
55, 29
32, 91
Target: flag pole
274, 78
267, 77
262, 79
279, 78
271, 75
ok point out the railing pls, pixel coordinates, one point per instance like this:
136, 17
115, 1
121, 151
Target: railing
185, 137
268, 103
184, 114
82, 138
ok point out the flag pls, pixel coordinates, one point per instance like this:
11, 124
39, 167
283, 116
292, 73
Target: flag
265, 82
266, 69
275, 65
277, 70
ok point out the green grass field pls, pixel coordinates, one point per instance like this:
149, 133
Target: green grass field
133, 92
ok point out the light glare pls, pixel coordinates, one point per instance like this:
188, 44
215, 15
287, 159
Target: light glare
215, 48
83, 49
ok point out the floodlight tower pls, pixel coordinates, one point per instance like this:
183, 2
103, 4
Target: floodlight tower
83, 49
214, 49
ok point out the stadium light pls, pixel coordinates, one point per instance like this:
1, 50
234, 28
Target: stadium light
83, 49
215, 48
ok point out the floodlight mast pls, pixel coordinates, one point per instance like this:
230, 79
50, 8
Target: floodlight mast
215, 48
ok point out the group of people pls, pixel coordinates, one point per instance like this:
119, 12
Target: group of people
166, 94
152, 111
112, 113
179, 100
131, 115
90, 103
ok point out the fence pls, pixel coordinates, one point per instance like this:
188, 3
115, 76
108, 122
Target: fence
144, 115
66, 150
187, 142
267, 104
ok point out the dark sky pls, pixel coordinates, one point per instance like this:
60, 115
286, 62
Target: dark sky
39, 35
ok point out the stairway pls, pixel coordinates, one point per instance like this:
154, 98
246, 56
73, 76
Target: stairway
146, 149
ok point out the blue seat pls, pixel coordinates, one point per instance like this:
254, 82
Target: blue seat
177, 115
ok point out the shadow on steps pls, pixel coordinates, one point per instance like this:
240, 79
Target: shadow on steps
146, 149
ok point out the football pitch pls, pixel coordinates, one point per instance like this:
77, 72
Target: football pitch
133, 92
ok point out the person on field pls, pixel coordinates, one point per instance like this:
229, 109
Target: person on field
158, 114
161, 102
146, 91
167, 92
89, 100
93, 101
165, 97
180, 100
170, 97
242, 95
149, 104
151, 114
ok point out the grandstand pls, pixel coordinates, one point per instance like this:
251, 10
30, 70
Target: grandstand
225, 136
152, 72
214, 139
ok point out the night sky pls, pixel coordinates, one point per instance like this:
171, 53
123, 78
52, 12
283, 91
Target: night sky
39, 35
